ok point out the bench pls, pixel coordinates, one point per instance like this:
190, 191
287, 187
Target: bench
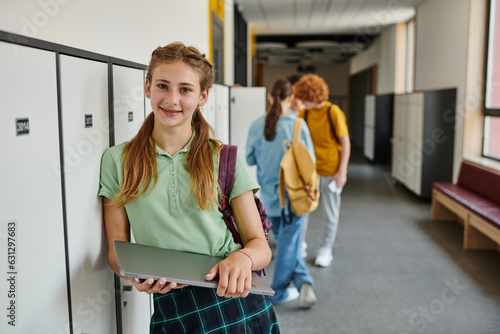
475, 201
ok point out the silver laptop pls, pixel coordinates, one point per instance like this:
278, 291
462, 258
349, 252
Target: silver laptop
141, 261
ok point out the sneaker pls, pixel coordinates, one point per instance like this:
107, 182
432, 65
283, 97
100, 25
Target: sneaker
307, 296
303, 249
293, 294
324, 258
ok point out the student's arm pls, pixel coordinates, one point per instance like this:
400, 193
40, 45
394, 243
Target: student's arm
235, 272
341, 176
250, 147
118, 228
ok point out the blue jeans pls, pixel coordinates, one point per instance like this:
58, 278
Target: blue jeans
289, 266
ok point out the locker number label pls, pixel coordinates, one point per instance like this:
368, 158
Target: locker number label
130, 116
22, 126
89, 122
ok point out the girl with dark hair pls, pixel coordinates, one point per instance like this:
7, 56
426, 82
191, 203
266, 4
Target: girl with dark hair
264, 149
163, 185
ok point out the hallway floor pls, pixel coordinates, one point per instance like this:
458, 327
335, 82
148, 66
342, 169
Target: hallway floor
394, 270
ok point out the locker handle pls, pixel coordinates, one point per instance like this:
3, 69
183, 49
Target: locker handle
127, 287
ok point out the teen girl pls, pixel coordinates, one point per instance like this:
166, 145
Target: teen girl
264, 148
163, 185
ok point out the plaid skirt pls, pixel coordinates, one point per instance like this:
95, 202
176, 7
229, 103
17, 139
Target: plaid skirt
194, 310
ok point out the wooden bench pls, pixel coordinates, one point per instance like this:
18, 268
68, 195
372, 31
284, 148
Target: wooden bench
475, 201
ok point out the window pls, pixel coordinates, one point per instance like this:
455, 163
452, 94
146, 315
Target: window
491, 144
410, 56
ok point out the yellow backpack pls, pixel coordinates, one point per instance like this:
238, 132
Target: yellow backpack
298, 175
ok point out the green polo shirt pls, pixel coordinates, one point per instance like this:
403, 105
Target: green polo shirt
167, 215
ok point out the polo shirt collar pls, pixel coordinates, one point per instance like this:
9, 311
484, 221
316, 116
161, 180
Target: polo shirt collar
184, 150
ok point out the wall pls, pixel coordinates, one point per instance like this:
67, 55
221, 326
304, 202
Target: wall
336, 75
441, 55
383, 53
449, 51
124, 29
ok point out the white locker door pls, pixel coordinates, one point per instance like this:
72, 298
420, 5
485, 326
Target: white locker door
33, 285
398, 139
208, 110
247, 104
84, 98
369, 141
129, 98
410, 155
222, 113
417, 142
128, 91
413, 154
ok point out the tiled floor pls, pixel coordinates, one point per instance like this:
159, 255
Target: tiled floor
394, 270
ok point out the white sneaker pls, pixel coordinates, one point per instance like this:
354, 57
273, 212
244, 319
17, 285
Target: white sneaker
303, 249
293, 294
307, 296
324, 258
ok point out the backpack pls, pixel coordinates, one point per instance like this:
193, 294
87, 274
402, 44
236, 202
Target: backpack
329, 121
227, 169
298, 175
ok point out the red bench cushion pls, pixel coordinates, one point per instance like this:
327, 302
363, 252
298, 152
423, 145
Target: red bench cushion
483, 207
480, 180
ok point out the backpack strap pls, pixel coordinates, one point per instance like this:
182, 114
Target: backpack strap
329, 121
227, 168
227, 171
296, 130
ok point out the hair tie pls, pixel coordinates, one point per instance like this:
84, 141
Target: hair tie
240, 251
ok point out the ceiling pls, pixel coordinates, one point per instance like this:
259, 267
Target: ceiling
308, 32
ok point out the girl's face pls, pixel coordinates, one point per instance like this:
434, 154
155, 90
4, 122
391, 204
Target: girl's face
175, 93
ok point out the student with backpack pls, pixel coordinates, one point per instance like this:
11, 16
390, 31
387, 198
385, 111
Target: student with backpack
163, 186
332, 147
264, 148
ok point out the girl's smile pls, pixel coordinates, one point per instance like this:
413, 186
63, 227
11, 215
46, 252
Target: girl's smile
175, 94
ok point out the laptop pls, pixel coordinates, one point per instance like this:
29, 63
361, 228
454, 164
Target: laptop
142, 261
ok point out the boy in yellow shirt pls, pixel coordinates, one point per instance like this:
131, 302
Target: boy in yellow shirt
332, 147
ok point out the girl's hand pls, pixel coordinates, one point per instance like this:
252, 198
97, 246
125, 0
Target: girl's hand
235, 275
149, 286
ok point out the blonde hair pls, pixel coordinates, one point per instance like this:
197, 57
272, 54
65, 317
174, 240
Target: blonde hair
140, 154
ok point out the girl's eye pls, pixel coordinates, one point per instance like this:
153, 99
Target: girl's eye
185, 90
162, 86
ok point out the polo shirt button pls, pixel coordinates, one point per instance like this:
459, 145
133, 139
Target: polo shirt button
173, 198
171, 172
173, 185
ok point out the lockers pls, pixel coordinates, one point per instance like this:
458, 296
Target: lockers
128, 101
424, 124
129, 111
378, 127
85, 136
216, 111
61, 109
247, 104
33, 284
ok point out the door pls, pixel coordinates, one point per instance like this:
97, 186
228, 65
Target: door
84, 103
247, 104
218, 48
134, 310
128, 102
222, 113
369, 140
34, 287
398, 144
